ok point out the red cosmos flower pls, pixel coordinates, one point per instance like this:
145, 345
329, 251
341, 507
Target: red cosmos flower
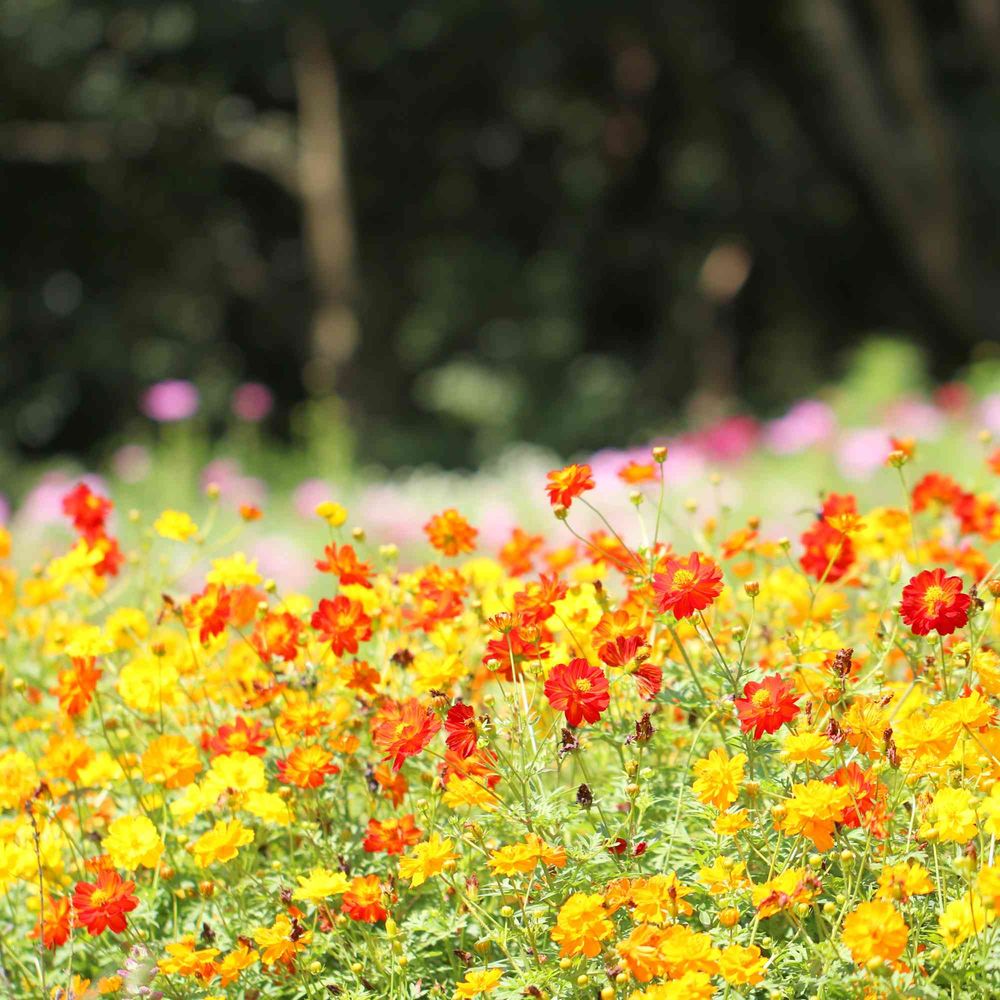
932, 600
828, 554
934, 488
687, 585
88, 511
649, 680
621, 651
837, 504
208, 612
519, 644
565, 485
112, 556
450, 533
54, 925
75, 687
976, 512
344, 563
460, 733
766, 706
403, 729
363, 900
102, 904
343, 623
391, 836
868, 798
277, 635
579, 690
242, 735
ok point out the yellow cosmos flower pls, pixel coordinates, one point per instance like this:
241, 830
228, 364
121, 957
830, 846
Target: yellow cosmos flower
477, 982
221, 843
133, 841
320, 883
718, 778
875, 930
175, 525
426, 860
234, 571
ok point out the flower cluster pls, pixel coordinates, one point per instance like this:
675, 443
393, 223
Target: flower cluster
682, 761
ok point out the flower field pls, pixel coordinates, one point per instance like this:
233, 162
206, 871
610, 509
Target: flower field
671, 758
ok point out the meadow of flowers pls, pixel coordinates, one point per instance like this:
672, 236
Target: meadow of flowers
669, 759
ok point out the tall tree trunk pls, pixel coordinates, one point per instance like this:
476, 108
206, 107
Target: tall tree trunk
326, 208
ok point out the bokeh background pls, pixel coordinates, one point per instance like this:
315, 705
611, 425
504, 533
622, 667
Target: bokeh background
425, 232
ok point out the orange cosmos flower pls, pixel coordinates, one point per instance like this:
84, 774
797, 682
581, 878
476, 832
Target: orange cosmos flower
450, 533
277, 635
687, 585
55, 922
578, 689
363, 900
392, 784
391, 836
932, 600
638, 472
307, 767
344, 564
766, 706
565, 485
102, 904
75, 686
403, 729
343, 623
516, 554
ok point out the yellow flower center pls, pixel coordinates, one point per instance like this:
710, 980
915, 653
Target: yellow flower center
582, 684
99, 897
683, 578
933, 597
761, 698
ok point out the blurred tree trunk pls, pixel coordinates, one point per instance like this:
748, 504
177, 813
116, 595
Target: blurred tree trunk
326, 209
906, 159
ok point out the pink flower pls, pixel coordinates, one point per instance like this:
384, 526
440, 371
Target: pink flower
863, 451
808, 422
171, 400
131, 463
252, 402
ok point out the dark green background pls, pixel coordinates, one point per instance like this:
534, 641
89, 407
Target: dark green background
534, 190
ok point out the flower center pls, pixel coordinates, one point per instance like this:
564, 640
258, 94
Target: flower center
761, 698
683, 578
933, 596
582, 684
100, 897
